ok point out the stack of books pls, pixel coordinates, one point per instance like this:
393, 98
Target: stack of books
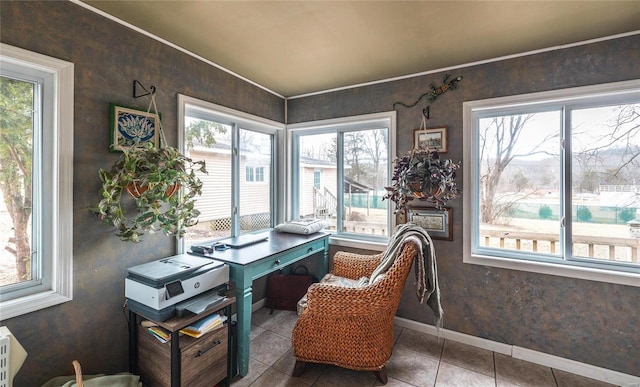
205, 325
159, 333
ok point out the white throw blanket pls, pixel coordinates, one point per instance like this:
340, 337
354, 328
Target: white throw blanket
426, 269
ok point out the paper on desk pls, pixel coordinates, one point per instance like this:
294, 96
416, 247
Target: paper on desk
204, 304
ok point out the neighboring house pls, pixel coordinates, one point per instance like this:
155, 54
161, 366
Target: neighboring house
317, 187
255, 178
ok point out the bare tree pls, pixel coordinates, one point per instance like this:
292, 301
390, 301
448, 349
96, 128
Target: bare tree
374, 144
497, 150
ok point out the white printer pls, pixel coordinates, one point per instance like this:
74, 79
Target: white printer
158, 288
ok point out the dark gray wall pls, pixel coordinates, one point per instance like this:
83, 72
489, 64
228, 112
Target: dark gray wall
582, 320
591, 322
108, 57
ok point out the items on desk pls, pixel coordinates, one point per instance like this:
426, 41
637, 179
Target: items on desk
244, 240
209, 249
204, 325
159, 333
303, 226
199, 304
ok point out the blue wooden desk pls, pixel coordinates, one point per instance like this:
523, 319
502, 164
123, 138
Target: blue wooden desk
254, 261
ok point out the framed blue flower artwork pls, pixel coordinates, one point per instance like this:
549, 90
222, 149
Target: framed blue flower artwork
130, 126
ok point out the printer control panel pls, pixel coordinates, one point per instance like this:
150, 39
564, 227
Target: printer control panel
173, 289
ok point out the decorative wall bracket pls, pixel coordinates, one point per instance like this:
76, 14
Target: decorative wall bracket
434, 93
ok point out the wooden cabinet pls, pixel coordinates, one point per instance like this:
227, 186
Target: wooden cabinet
204, 361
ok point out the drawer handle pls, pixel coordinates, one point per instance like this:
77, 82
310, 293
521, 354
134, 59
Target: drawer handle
202, 352
276, 263
310, 250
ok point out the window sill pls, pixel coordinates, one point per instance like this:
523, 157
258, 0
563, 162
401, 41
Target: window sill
31, 303
335, 240
580, 272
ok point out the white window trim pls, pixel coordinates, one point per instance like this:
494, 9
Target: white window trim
563, 270
355, 122
225, 115
60, 238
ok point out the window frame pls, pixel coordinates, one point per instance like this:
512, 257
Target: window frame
54, 236
565, 266
238, 120
343, 124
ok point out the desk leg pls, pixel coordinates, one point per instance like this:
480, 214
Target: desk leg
243, 302
175, 359
325, 260
133, 342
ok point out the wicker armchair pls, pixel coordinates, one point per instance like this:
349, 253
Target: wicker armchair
352, 327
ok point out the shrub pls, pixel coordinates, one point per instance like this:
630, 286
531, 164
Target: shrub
584, 214
545, 212
627, 214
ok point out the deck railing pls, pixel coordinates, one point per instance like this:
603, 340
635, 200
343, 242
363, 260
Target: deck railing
610, 248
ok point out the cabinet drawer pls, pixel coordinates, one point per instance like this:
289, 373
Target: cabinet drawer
205, 360
284, 259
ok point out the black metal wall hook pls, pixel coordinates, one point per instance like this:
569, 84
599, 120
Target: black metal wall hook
137, 83
425, 112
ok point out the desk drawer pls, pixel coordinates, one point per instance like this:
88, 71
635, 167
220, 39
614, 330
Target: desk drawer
283, 259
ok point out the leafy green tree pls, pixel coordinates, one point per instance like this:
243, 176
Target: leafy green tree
203, 132
16, 134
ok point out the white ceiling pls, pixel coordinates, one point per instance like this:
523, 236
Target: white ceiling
294, 48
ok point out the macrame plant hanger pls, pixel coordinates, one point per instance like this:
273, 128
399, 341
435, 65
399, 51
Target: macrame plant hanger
152, 103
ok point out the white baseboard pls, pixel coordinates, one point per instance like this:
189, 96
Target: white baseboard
559, 363
258, 305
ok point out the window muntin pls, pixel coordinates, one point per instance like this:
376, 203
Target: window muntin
560, 167
240, 155
37, 126
339, 173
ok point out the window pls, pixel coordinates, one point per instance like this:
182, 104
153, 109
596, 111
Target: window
254, 174
240, 154
553, 184
36, 159
340, 168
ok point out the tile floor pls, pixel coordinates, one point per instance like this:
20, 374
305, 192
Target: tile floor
418, 359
